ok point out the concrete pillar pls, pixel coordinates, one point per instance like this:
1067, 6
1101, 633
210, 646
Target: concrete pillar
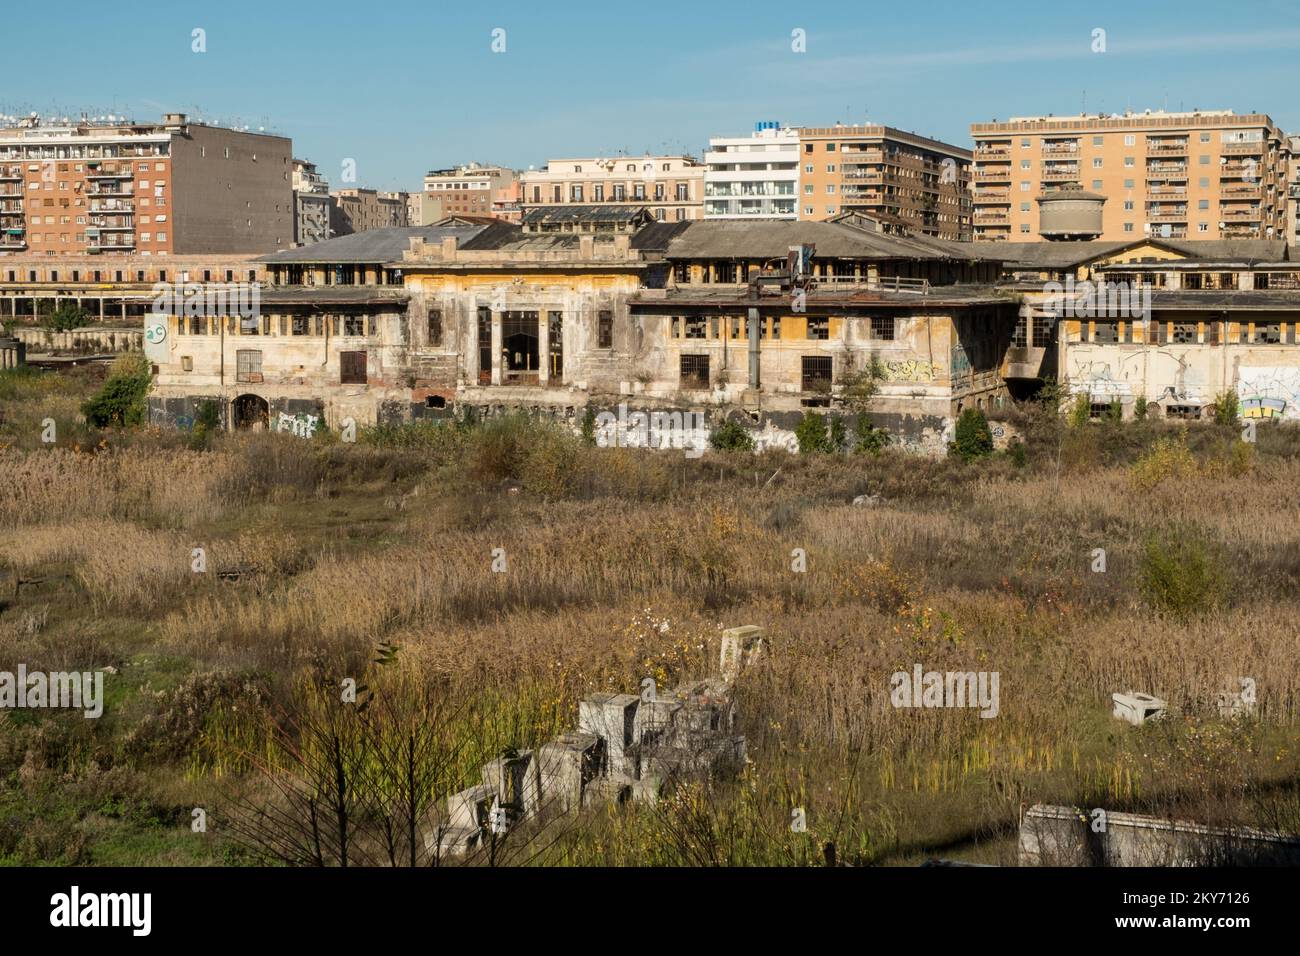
497, 345
611, 717
755, 339
101, 308
544, 347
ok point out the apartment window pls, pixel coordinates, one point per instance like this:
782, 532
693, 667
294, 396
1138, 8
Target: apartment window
808, 168
819, 327
816, 373
1205, 137
1106, 333
694, 371
882, 329
248, 365
575, 193
682, 192
1096, 184
808, 189
352, 368
1024, 207
830, 147
808, 210
830, 167
1203, 160
1130, 140
1204, 182
1128, 227
1128, 184
1024, 187
1202, 227
1202, 204
605, 330
1024, 142
1098, 140
1128, 162
830, 187
1096, 162
1025, 164
807, 147
1128, 205
620, 192
1024, 227
638, 191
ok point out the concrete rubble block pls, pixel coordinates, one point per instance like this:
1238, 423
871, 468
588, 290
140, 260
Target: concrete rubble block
453, 841
602, 790
469, 808
1137, 708
647, 788
654, 721
706, 757
1239, 703
564, 768
741, 646
612, 718
514, 781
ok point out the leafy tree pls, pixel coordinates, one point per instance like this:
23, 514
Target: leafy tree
67, 317
731, 436
974, 439
589, 427
121, 400
816, 437
1227, 408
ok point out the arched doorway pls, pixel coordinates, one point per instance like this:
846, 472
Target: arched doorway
250, 411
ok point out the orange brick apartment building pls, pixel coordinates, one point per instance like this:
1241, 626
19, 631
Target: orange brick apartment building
1197, 175
171, 188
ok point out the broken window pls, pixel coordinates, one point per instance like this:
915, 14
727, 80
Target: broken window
520, 346
726, 271
681, 273
882, 328
819, 327
695, 371
1184, 333
198, 325
1020, 337
605, 330
299, 325
354, 325
555, 344
250, 325
1182, 411
248, 365
1106, 333
1268, 333
776, 326
696, 327
352, 368
817, 373
319, 322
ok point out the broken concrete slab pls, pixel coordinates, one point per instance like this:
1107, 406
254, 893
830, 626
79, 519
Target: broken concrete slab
453, 841
1239, 703
565, 766
515, 783
469, 808
1137, 708
614, 789
612, 718
741, 646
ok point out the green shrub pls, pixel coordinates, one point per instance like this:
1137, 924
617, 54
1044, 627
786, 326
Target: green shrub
1227, 408
121, 401
731, 436
871, 440
973, 439
1180, 575
1080, 411
589, 427
1017, 452
816, 436
66, 317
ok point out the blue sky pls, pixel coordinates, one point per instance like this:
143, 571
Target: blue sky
402, 87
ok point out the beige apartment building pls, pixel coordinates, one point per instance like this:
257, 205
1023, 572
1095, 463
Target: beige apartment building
359, 210
1293, 193
108, 185
909, 183
1197, 175
470, 190
671, 187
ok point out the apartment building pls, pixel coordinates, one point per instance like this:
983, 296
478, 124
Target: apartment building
471, 190
1197, 175
1293, 193
108, 185
909, 183
311, 197
755, 176
358, 210
670, 187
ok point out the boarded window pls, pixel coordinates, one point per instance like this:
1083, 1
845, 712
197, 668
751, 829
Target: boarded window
352, 368
817, 373
882, 328
605, 330
695, 371
435, 328
819, 327
248, 365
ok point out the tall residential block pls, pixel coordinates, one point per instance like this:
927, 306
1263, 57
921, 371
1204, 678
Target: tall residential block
1197, 175
755, 176
108, 185
360, 210
910, 184
670, 187
311, 197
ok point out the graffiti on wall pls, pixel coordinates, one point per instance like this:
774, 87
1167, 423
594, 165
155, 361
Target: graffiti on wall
301, 426
912, 370
1269, 391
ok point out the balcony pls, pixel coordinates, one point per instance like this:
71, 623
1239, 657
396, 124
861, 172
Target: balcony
1060, 149
113, 242
993, 175
1167, 191
1167, 215
115, 193
1055, 174
875, 177
1156, 147
1241, 192
1244, 149
993, 152
993, 195
1239, 169
11, 174
1241, 215
861, 155
1167, 171
108, 174
1239, 232
991, 218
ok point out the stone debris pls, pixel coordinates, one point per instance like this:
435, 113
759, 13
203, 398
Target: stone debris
868, 501
1239, 703
625, 748
1137, 708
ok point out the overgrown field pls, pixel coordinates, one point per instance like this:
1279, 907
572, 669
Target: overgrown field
374, 561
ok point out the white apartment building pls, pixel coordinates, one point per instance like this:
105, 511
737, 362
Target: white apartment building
311, 198
753, 177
